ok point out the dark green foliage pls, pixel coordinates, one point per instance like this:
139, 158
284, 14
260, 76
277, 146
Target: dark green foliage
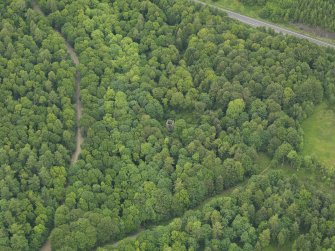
232, 91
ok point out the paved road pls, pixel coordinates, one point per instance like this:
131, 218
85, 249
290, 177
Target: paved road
257, 23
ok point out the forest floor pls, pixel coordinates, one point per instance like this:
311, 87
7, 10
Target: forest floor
79, 139
275, 248
321, 36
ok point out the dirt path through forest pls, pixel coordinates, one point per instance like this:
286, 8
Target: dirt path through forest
79, 138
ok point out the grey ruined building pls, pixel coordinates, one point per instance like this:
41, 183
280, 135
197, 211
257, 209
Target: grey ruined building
170, 125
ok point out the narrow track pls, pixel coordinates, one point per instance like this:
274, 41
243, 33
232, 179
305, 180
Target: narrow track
79, 138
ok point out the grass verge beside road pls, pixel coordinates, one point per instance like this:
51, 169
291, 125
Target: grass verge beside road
238, 7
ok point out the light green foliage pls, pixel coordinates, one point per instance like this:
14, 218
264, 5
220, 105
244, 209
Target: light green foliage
235, 108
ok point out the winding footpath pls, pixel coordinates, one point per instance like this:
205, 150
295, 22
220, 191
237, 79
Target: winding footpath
242, 18
258, 23
79, 138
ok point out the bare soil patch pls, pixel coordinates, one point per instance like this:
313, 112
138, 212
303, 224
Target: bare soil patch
320, 32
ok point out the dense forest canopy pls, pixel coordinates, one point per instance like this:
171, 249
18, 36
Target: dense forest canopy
316, 13
270, 209
231, 90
